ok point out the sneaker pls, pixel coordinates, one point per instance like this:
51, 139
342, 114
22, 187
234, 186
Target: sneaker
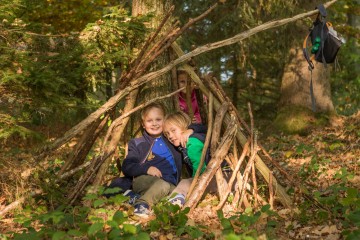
132, 196
179, 199
142, 209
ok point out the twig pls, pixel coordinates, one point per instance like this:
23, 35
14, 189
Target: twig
247, 172
74, 170
213, 165
233, 176
17, 203
187, 25
90, 173
152, 37
252, 136
271, 191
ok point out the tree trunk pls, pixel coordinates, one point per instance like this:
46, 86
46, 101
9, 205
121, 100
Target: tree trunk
162, 84
295, 86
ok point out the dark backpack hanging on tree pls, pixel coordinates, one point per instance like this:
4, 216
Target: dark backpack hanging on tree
325, 45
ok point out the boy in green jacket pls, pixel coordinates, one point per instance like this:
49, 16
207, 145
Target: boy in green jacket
174, 125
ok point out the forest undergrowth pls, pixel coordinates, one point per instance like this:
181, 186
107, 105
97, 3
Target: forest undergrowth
324, 185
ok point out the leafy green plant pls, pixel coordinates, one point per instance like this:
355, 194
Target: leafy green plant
99, 221
245, 221
171, 218
340, 202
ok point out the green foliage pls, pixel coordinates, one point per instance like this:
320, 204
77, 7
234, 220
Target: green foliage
50, 79
171, 218
10, 127
109, 43
65, 16
340, 202
98, 222
346, 82
245, 221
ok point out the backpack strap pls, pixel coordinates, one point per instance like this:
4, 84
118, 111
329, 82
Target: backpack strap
313, 101
306, 54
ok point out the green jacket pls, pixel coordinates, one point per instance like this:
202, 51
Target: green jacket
194, 147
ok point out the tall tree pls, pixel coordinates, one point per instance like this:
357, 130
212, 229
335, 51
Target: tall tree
157, 8
295, 86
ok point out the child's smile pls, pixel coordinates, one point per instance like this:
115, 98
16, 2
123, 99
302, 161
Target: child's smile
153, 122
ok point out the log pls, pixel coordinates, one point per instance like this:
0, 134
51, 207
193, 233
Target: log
214, 164
233, 176
220, 180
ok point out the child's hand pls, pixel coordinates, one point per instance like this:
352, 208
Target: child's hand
185, 137
153, 171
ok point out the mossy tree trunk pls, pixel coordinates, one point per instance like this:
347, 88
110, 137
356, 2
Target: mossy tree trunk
295, 85
296, 114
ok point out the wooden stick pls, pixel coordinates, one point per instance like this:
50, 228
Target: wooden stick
90, 173
247, 173
271, 191
214, 164
17, 203
206, 146
188, 24
220, 181
217, 126
233, 176
255, 190
152, 37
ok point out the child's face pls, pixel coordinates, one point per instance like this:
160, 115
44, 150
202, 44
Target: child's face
182, 80
153, 122
173, 133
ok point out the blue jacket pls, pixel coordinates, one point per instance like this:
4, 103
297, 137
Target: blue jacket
140, 158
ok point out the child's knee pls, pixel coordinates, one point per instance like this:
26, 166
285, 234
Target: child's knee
163, 186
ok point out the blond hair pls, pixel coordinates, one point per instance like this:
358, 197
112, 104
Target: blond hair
146, 109
180, 119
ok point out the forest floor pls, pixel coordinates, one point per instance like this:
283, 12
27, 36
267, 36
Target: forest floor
324, 167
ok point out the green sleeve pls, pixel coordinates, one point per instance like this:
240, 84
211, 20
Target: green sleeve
194, 148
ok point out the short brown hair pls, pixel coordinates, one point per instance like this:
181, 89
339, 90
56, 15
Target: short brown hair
179, 119
146, 109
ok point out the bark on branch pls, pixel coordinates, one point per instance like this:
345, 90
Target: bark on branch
213, 165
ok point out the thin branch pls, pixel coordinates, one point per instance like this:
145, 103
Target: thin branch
152, 37
234, 174
206, 145
271, 191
